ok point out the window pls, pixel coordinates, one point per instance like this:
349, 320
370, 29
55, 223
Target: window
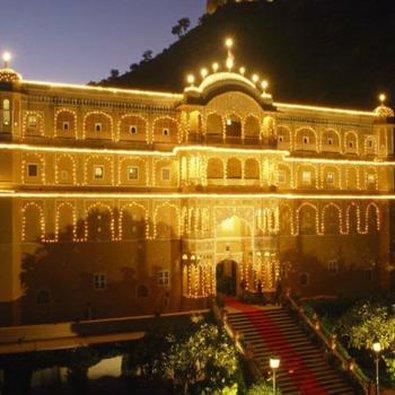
304, 279
133, 173
371, 179
165, 132
281, 177
142, 291
370, 142
32, 121
64, 175
98, 172
281, 139
330, 141
351, 144
43, 297
99, 281
6, 112
66, 126
32, 170
330, 178
306, 177
306, 140
163, 278
133, 129
98, 127
166, 174
333, 266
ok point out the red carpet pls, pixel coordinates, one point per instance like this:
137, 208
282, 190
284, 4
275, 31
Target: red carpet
300, 373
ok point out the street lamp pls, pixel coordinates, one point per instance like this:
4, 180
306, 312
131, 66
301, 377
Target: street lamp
377, 348
274, 365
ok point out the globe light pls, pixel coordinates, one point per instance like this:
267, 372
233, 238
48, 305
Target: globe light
382, 97
242, 70
274, 362
204, 72
215, 67
6, 58
230, 63
376, 347
264, 85
191, 79
255, 78
229, 43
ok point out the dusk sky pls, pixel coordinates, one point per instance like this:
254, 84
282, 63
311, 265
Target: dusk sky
81, 40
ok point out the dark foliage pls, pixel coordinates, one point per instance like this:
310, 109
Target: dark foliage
313, 51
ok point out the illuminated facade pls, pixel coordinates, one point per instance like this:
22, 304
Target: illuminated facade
120, 202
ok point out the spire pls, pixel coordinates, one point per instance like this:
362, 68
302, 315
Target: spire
7, 74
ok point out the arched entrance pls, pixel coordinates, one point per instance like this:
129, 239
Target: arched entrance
226, 277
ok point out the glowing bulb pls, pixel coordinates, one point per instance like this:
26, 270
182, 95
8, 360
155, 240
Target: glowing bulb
229, 122
191, 79
382, 97
274, 362
7, 57
229, 43
264, 85
230, 63
204, 72
376, 347
242, 70
215, 67
255, 78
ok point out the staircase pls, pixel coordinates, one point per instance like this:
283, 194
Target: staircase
303, 368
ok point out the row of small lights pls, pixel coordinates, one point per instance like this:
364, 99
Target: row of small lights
204, 72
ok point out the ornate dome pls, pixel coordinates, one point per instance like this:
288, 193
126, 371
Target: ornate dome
383, 111
9, 75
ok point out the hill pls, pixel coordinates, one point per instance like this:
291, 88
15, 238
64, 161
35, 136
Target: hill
328, 52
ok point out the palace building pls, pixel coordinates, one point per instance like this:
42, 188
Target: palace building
118, 202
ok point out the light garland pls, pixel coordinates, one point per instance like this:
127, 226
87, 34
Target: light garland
40, 123
59, 208
62, 111
103, 207
58, 160
38, 160
99, 158
92, 133
25, 209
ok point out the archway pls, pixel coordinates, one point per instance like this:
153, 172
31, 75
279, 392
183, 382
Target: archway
226, 277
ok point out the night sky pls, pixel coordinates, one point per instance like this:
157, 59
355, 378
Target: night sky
81, 40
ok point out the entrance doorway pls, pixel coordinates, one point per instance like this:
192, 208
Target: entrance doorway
226, 277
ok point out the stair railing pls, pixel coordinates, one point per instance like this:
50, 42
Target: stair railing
246, 350
330, 342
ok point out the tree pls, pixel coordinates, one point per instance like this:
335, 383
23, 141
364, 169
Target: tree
148, 55
133, 67
114, 73
366, 323
205, 362
181, 28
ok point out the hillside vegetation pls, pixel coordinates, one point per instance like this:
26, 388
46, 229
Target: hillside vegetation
329, 52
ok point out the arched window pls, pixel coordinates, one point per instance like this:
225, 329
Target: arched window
214, 126
99, 224
215, 169
352, 218
6, 112
133, 222
234, 168
307, 217
331, 219
251, 129
233, 127
251, 169
372, 218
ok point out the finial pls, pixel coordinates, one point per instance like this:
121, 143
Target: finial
6, 58
255, 78
264, 85
204, 72
382, 98
215, 67
230, 60
191, 79
242, 70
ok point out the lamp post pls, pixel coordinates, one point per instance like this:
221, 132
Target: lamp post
274, 365
377, 348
